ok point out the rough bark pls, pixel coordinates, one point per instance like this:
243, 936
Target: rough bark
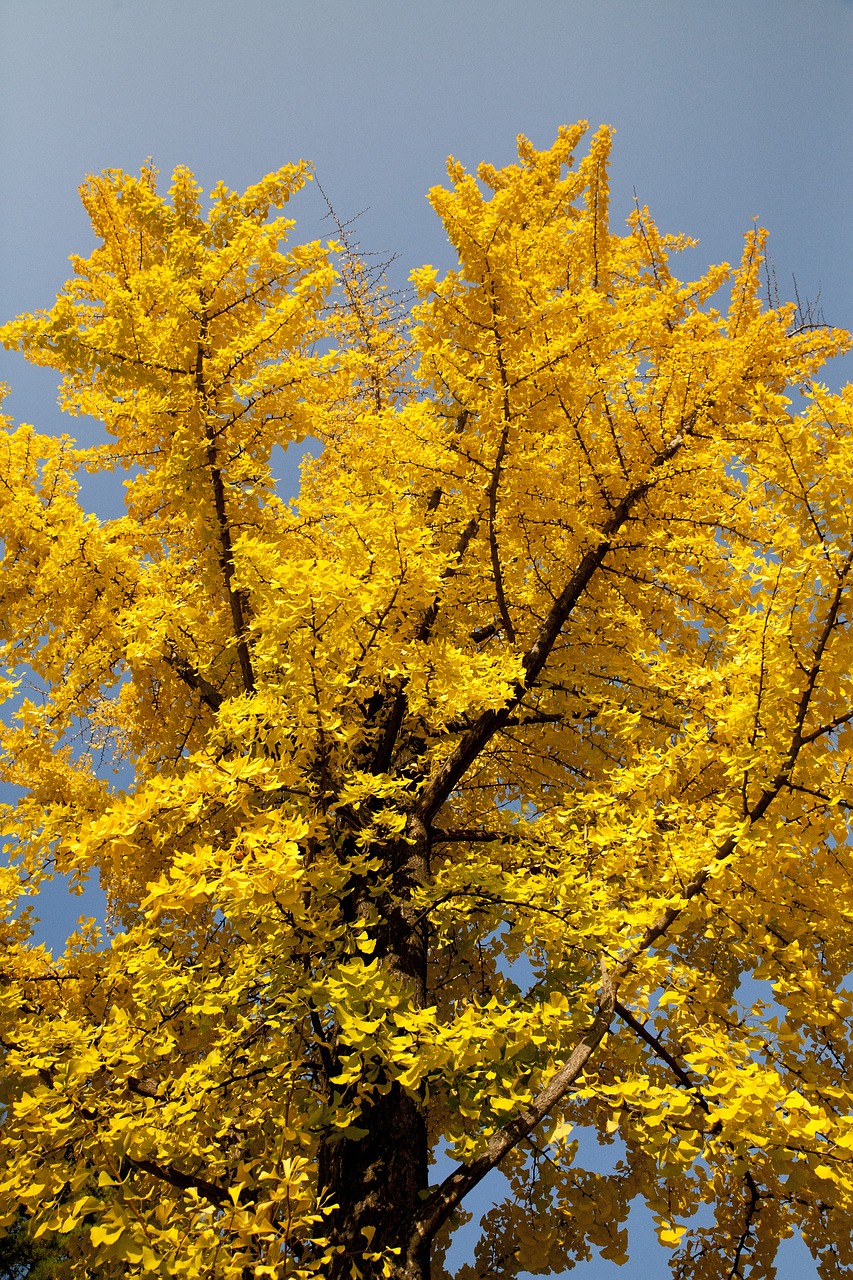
377, 1182
380, 1180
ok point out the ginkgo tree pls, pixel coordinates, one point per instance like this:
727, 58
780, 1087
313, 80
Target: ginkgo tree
493, 790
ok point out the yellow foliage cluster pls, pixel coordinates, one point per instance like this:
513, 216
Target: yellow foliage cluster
496, 788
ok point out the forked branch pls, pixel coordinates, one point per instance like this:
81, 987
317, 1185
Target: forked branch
454, 768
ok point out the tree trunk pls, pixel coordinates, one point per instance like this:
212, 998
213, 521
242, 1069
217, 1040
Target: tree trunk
378, 1181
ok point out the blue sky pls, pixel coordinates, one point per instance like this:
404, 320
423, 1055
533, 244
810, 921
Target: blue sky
724, 110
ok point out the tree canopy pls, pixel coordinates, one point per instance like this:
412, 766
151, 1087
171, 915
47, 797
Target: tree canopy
493, 790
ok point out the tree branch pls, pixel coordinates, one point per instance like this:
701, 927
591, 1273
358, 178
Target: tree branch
641, 1030
226, 556
751, 1210
659, 927
192, 677
183, 1181
385, 751
466, 835
442, 1202
494, 553
453, 769
494, 482
437, 493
